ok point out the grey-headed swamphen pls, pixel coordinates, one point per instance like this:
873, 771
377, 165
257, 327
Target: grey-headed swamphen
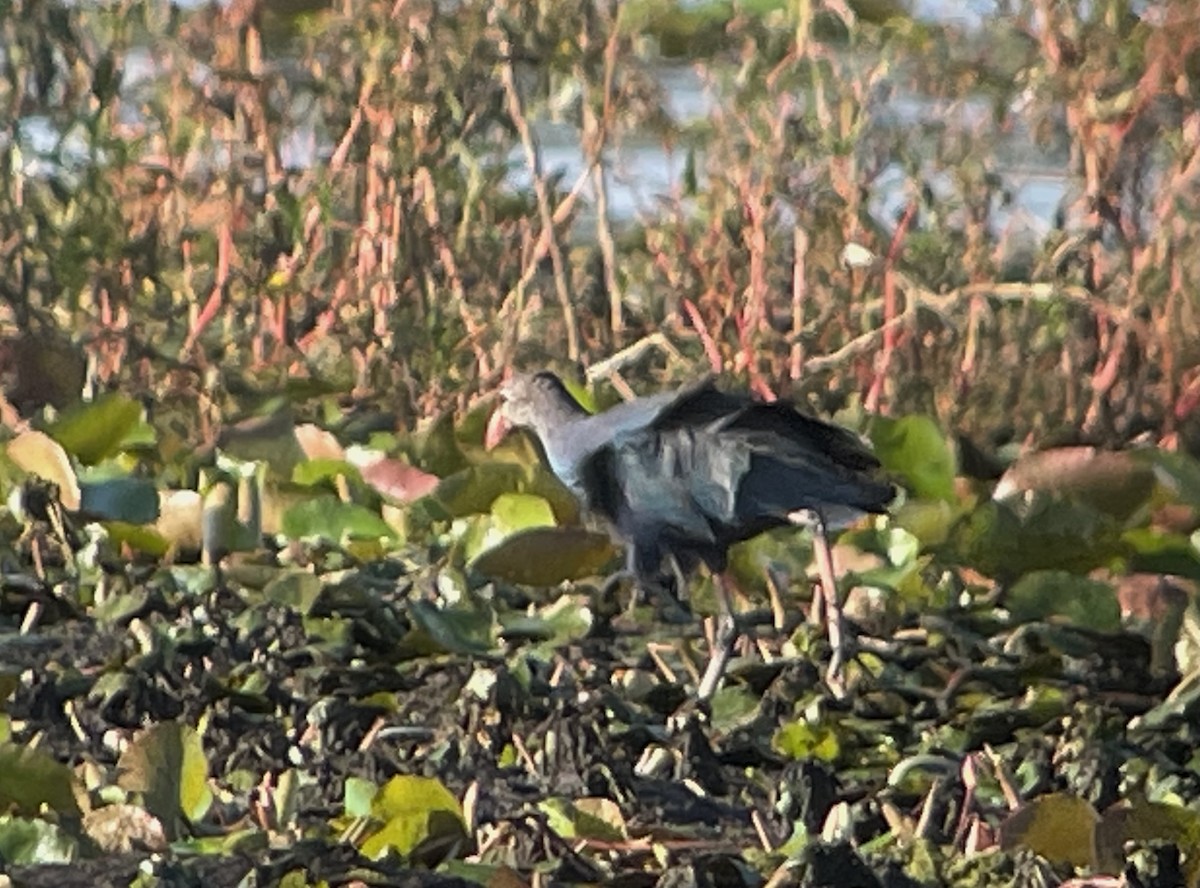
684, 475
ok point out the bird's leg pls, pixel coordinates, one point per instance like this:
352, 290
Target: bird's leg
823, 553
724, 637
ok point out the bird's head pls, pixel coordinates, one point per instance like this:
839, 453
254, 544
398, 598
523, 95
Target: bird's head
533, 401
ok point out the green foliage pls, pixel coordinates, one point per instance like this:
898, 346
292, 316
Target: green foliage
915, 449
93, 432
166, 765
419, 817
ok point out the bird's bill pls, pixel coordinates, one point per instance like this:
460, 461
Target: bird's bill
497, 429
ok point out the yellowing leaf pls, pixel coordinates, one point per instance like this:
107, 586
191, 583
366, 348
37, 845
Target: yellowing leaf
546, 556
1059, 827
588, 818
800, 740
39, 454
1145, 822
414, 811
166, 764
513, 512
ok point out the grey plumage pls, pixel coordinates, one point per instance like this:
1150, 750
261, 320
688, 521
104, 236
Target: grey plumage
688, 473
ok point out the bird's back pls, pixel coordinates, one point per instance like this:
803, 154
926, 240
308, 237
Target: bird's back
714, 468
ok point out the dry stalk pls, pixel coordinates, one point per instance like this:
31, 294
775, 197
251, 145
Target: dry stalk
533, 160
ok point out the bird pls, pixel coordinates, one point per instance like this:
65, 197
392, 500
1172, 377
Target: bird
681, 476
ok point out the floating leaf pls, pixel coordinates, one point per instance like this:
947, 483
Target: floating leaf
393, 478
330, 518
472, 491
312, 472
1178, 471
33, 779
35, 842
1051, 534
297, 589
916, 449
437, 449
593, 818
1162, 553
415, 811
1147, 822
514, 512
546, 556
166, 764
449, 630
1059, 827
93, 432
357, 795
1042, 594
137, 537
568, 618
800, 740
39, 454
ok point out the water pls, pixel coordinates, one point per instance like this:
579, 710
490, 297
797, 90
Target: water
643, 174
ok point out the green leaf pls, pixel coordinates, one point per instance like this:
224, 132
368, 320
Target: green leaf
916, 449
800, 740
315, 471
24, 842
566, 619
414, 811
1162, 553
1051, 534
437, 449
93, 432
449, 630
472, 491
166, 764
1178, 471
330, 518
513, 512
357, 795
1059, 827
593, 818
297, 589
1146, 822
546, 556
1085, 602
33, 779
135, 536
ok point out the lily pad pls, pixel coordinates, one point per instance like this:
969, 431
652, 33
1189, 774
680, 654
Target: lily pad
330, 518
1059, 827
1088, 603
546, 556
414, 811
33, 779
166, 764
917, 450
93, 432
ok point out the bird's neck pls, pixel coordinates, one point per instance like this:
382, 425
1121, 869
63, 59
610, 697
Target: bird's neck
556, 416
